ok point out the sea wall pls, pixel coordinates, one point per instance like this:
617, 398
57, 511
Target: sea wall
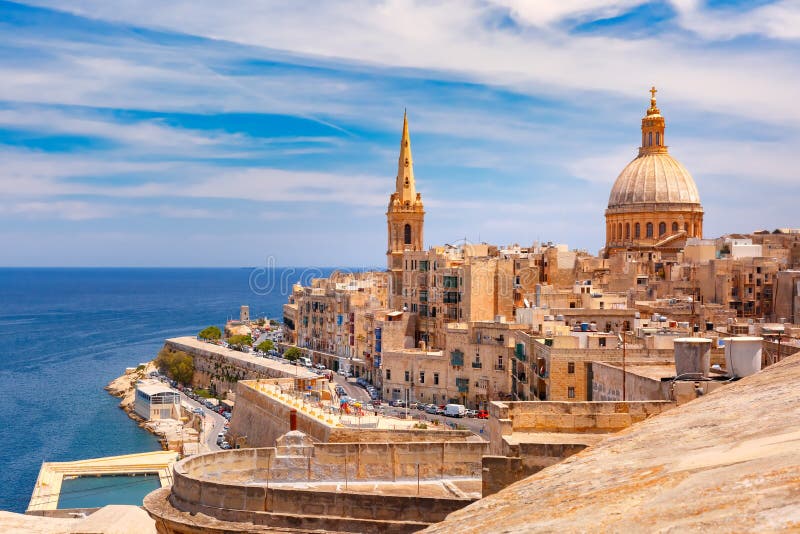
220, 368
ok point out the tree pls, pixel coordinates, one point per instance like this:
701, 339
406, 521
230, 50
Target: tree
239, 341
211, 333
266, 346
292, 353
176, 364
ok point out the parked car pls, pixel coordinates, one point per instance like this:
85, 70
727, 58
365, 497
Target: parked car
320, 367
398, 403
431, 408
482, 414
455, 410
471, 413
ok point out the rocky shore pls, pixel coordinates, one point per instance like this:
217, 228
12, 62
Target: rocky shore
172, 434
124, 387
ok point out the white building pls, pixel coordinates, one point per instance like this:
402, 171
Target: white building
154, 400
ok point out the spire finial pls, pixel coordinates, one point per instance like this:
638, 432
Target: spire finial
653, 109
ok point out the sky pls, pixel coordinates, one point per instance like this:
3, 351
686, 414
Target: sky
200, 133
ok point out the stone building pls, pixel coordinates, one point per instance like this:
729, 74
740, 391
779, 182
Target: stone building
654, 203
405, 216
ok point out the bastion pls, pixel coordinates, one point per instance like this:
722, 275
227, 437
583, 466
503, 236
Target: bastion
299, 485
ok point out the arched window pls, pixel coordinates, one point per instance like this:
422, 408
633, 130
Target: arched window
662, 228
627, 230
686, 227
637, 231
650, 139
619, 231
407, 234
613, 231
649, 230
674, 227
658, 139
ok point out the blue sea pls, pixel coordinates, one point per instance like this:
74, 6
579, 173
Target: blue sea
65, 333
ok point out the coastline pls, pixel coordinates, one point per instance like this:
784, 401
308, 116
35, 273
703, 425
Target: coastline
124, 387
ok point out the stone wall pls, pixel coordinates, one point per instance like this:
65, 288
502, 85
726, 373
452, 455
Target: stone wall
221, 368
260, 419
239, 486
566, 417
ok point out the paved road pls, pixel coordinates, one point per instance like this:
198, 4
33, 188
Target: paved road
213, 423
351, 388
477, 426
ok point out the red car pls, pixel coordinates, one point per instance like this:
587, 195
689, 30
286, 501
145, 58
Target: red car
482, 414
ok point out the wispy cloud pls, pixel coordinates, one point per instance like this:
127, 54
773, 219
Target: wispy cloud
183, 119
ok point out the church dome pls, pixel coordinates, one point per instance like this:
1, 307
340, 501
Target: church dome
653, 178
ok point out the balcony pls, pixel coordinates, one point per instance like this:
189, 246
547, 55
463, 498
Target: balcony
522, 378
499, 367
477, 365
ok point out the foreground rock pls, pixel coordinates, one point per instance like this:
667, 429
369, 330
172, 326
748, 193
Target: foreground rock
112, 519
727, 462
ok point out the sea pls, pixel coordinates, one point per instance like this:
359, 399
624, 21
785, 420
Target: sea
66, 332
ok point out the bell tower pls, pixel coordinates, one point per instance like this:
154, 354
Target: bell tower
405, 215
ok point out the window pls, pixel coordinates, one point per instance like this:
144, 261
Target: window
435, 379
662, 228
619, 231
601, 342
407, 234
571, 368
685, 227
457, 358
649, 230
571, 392
388, 374
408, 376
422, 377
627, 230
462, 384
674, 227
637, 230
658, 138
650, 139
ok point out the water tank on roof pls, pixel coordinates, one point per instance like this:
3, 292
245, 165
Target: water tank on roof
743, 355
559, 317
692, 357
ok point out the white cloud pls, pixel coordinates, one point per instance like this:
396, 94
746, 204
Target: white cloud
779, 20
453, 38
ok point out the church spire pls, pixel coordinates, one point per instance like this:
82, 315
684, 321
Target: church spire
405, 186
653, 128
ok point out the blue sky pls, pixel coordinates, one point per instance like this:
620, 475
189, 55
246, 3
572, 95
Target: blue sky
145, 133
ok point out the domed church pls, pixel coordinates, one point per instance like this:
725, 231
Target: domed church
654, 204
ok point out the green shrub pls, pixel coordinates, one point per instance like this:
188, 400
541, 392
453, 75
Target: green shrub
211, 333
266, 346
292, 353
176, 364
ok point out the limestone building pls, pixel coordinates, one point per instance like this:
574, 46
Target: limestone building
405, 215
654, 203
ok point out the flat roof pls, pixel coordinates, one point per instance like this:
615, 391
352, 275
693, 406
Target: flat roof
151, 388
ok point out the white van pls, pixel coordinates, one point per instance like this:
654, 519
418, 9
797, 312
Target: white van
455, 410
305, 360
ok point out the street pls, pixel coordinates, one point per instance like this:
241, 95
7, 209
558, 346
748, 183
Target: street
477, 426
213, 423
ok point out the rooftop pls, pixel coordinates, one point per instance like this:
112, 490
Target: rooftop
726, 461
